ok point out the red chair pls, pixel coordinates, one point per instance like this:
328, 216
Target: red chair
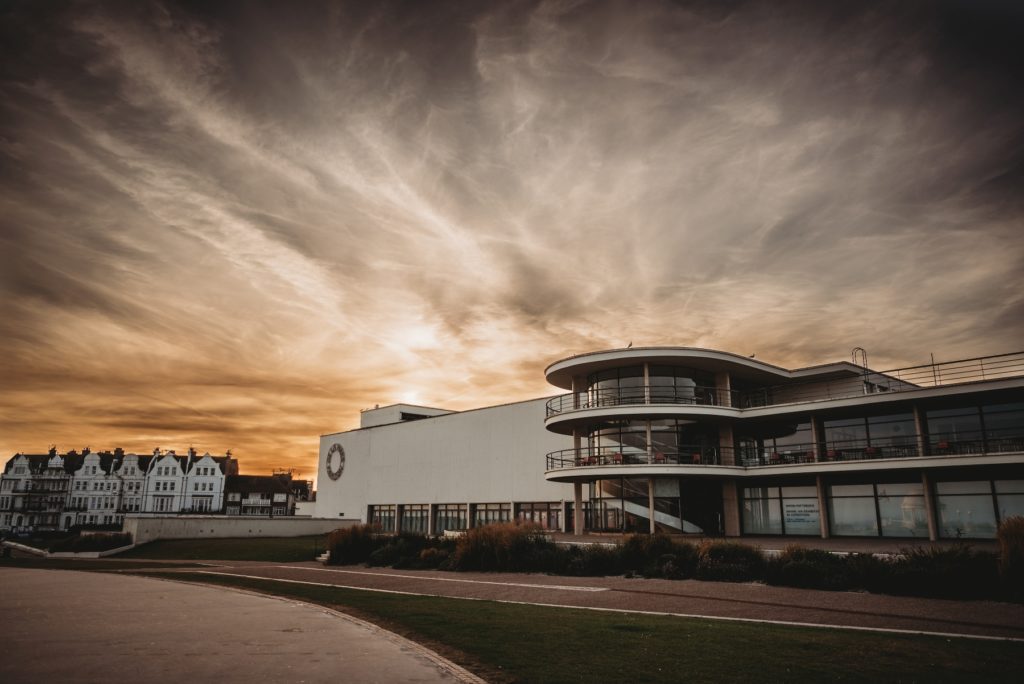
617, 458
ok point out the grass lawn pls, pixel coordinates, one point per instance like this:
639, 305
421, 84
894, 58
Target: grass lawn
272, 549
517, 643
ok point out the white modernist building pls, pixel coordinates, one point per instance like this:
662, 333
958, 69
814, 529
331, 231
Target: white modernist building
688, 440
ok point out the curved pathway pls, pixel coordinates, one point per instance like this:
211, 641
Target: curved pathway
61, 626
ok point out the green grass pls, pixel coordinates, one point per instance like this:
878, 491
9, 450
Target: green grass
518, 643
271, 549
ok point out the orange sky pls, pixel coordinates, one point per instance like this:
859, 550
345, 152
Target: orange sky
234, 227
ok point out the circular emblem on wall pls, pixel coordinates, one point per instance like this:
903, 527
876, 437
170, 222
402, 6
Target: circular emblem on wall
335, 461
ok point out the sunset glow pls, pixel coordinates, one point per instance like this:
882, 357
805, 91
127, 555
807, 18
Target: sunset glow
234, 225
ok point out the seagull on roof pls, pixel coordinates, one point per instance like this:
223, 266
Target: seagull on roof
630, 344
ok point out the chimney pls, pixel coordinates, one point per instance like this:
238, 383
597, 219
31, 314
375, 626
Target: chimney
53, 451
86, 451
119, 451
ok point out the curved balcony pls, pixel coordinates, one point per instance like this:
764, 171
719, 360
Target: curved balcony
640, 396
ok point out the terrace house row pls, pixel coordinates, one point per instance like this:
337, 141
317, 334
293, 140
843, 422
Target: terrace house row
52, 491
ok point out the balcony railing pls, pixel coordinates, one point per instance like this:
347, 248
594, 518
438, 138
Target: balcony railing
959, 444
614, 456
997, 367
639, 396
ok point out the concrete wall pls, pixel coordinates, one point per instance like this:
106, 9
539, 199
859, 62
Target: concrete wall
148, 528
491, 455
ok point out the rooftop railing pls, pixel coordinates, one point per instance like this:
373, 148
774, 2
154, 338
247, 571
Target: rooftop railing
996, 367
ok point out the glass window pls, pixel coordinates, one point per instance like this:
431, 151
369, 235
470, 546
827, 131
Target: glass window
854, 516
978, 487
846, 432
902, 515
762, 516
800, 515
966, 515
486, 514
852, 490
900, 488
1010, 505
948, 427
1009, 486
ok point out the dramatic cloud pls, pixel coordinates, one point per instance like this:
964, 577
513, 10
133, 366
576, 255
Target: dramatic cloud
235, 224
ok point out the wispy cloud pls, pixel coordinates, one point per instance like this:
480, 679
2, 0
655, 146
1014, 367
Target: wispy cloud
236, 225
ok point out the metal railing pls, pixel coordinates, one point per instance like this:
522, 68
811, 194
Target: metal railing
614, 456
639, 396
998, 367
958, 444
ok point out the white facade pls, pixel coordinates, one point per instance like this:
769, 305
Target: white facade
485, 456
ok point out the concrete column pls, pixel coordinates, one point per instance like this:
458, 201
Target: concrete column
647, 384
731, 508
650, 502
650, 451
579, 384
577, 511
723, 385
822, 507
469, 516
399, 510
818, 437
727, 444
577, 445
431, 512
564, 527
921, 427
931, 513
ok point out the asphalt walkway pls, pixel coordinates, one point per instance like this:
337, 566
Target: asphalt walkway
64, 626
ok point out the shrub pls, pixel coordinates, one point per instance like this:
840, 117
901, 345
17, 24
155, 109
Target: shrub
92, 542
807, 568
658, 556
594, 560
434, 558
729, 562
943, 572
1011, 557
509, 547
351, 545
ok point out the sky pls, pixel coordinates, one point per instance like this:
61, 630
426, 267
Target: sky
234, 225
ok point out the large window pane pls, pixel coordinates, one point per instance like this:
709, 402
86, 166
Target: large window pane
762, 516
801, 515
903, 516
966, 516
1010, 505
854, 516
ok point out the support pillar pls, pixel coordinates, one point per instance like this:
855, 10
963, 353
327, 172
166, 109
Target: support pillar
650, 502
399, 511
469, 516
723, 389
577, 510
822, 507
730, 509
431, 513
929, 507
818, 437
921, 427
727, 445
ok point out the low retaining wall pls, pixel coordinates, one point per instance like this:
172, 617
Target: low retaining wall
144, 528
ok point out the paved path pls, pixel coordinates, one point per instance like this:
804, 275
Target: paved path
748, 601
61, 626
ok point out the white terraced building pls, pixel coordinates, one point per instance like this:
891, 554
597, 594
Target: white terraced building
41, 492
687, 440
